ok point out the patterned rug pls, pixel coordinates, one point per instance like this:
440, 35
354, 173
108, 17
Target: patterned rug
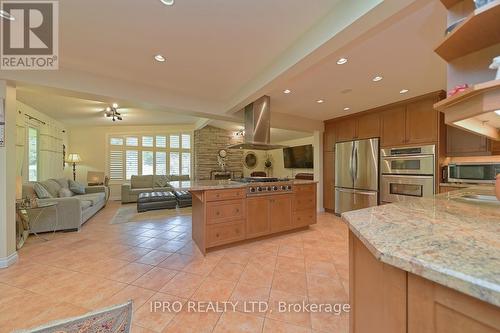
128, 213
116, 319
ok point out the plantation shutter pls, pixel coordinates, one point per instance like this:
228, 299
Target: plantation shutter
132, 163
116, 165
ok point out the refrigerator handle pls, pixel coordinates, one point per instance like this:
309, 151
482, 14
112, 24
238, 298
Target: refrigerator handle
355, 161
351, 161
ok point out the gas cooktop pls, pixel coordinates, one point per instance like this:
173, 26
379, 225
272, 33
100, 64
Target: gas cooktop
262, 180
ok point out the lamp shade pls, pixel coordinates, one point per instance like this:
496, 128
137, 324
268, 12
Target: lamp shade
73, 158
19, 188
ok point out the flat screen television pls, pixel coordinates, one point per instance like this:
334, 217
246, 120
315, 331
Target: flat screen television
299, 157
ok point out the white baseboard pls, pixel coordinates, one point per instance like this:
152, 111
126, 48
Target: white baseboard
8, 261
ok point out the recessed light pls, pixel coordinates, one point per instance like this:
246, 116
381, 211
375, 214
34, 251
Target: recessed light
7, 16
342, 61
287, 91
404, 91
497, 112
320, 101
167, 2
115, 105
377, 78
160, 58
347, 109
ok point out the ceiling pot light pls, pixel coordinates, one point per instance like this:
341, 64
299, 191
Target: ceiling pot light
497, 112
7, 16
167, 2
320, 101
160, 58
377, 78
347, 109
404, 91
287, 91
342, 61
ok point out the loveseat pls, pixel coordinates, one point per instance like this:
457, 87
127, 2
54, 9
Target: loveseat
144, 184
73, 211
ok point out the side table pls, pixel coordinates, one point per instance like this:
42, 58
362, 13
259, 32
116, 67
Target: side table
32, 221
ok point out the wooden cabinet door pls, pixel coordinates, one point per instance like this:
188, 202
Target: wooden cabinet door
328, 180
281, 212
368, 126
394, 127
329, 137
258, 223
421, 122
495, 147
463, 143
346, 129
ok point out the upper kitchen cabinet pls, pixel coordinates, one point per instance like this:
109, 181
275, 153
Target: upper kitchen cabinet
329, 137
463, 143
346, 129
422, 122
368, 126
394, 127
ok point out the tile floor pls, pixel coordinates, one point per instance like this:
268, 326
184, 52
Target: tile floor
106, 264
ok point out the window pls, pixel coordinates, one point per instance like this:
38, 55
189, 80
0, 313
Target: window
159, 154
132, 163
32, 154
147, 163
147, 141
174, 163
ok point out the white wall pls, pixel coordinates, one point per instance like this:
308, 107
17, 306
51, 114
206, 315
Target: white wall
52, 135
91, 144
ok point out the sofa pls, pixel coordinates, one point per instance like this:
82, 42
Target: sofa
73, 211
144, 184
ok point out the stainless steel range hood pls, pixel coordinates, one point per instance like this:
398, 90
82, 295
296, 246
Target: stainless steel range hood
257, 126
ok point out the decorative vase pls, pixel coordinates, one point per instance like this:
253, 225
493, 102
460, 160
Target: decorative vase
497, 188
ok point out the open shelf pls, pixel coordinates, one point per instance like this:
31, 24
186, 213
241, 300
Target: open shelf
479, 30
470, 92
450, 3
473, 109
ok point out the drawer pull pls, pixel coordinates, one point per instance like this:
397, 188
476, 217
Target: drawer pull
217, 213
237, 210
217, 195
217, 235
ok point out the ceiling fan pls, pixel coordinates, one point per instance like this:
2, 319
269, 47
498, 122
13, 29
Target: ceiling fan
112, 112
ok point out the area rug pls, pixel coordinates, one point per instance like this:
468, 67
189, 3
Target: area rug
128, 213
116, 319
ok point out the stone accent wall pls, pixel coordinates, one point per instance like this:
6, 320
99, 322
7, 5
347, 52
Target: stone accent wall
207, 143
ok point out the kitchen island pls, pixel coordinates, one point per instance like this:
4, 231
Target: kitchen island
226, 212
426, 265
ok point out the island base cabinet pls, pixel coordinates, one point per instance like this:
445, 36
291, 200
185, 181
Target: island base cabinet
433, 308
377, 293
386, 299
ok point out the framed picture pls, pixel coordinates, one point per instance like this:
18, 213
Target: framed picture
2, 123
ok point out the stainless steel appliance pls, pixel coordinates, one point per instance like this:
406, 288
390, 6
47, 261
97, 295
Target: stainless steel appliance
356, 175
478, 173
267, 185
407, 173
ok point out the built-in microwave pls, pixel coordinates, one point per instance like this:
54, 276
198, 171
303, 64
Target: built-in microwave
481, 173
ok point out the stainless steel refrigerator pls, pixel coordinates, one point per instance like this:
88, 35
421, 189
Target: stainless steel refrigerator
356, 175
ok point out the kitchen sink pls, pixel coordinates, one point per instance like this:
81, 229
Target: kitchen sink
478, 198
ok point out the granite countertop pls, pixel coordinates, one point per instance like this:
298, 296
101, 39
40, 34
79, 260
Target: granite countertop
451, 242
205, 185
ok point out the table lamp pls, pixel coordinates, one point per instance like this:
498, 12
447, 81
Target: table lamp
74, 158
19, 188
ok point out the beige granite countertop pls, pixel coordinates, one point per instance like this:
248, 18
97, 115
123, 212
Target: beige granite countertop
448, 241
205, 185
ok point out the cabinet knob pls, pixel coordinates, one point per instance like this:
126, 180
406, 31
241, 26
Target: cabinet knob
217, 235
217, 195
237, 210
217, 213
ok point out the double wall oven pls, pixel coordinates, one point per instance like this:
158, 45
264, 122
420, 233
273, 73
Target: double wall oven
407, 173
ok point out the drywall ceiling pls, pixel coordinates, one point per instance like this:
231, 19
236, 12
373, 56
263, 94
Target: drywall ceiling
75, 111
400, 50
223, 54
277, 134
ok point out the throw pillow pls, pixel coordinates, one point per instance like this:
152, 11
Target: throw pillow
162, 181
65, 193
41, 192
76, 187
